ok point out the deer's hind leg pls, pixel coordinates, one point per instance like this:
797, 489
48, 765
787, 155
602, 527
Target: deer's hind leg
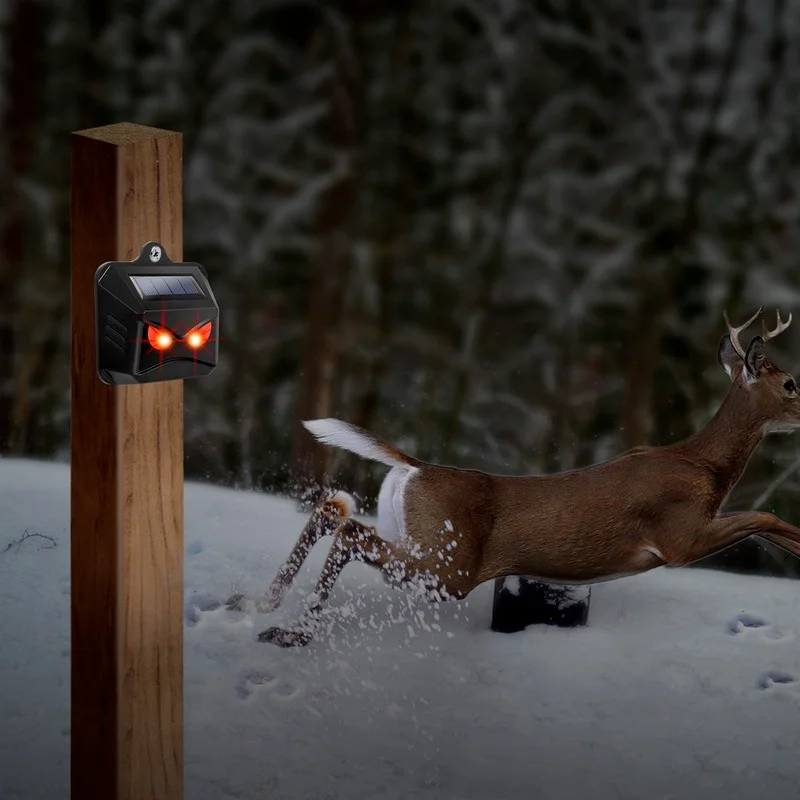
402, 564
324, 520
352, 541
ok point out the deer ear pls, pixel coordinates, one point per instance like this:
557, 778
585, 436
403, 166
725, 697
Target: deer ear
756, 357
727, 356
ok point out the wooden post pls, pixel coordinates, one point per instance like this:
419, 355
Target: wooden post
127, 490
520, 601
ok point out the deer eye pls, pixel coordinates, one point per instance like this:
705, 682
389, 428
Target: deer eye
790, 386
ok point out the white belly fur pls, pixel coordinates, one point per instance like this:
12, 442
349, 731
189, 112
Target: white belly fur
391, 508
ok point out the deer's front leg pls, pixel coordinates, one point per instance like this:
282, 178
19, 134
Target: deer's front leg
728, 529
780, 533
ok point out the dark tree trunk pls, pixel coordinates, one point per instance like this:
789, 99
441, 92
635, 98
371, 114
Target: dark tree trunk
320, 350
24, 36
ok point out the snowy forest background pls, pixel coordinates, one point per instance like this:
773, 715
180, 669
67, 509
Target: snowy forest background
500, 233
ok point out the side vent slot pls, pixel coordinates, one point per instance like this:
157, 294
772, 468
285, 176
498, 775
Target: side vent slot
116, 333
113, 342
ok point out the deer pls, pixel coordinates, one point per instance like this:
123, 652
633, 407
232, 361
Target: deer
449, 529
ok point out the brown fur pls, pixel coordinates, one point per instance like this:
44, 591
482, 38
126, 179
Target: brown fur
465, 527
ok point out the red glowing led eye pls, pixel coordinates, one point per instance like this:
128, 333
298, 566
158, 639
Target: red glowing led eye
197, 337
159, 338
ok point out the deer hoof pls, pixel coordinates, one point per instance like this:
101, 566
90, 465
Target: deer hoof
285, 637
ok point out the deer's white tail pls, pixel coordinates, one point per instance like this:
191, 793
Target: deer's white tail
336, 433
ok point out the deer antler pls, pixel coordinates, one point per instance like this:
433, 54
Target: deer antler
734, 332
779, 328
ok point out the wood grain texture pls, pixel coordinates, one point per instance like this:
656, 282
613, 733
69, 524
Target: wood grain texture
126, 492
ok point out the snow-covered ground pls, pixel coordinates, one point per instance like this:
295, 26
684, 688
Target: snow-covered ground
672, 691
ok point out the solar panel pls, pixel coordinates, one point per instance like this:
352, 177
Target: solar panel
176, 286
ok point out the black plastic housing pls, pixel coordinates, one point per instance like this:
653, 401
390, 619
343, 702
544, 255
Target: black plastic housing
124, 312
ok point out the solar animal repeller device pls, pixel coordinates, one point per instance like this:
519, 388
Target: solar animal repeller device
156, 319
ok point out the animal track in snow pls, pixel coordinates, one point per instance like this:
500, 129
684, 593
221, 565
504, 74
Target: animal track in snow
197, 605
752, 625
747, 623
259, 679
773, 677
247, 683
194, 548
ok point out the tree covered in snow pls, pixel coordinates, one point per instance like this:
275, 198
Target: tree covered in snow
500, 233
